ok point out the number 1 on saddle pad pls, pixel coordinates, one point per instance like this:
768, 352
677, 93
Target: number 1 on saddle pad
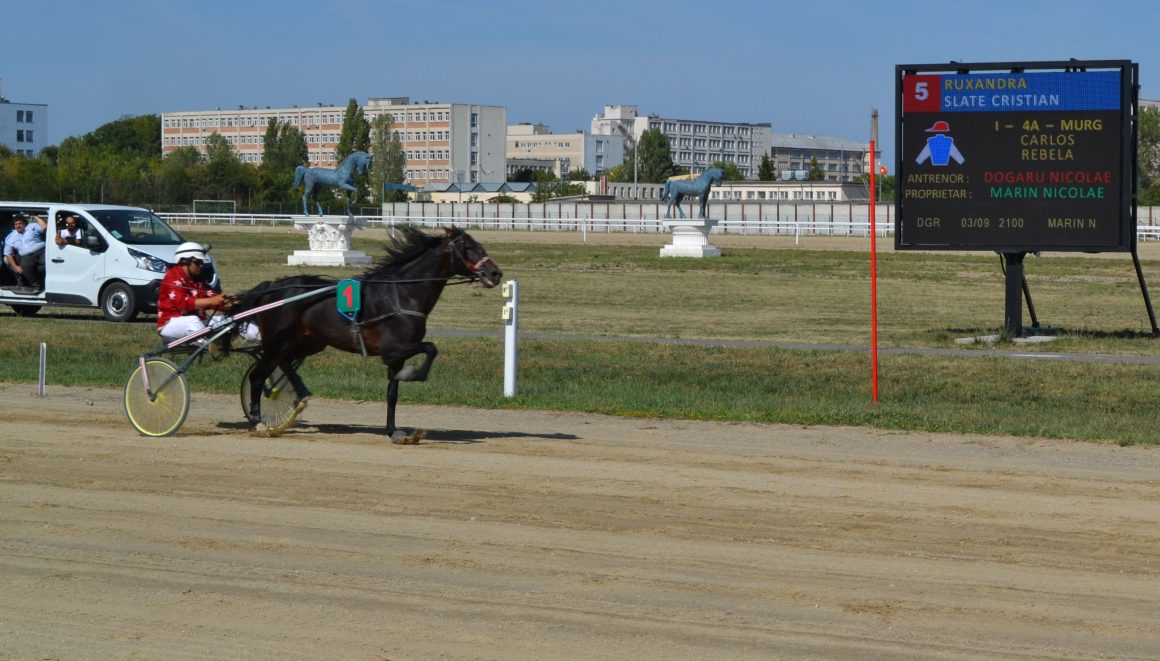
348, 298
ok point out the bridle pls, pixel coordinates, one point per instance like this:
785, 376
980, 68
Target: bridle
461, 253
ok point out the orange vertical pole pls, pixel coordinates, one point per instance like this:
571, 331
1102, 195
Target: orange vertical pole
873, 281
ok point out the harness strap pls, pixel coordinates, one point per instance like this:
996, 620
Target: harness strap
356, 327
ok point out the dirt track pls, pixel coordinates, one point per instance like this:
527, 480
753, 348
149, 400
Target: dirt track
535, 535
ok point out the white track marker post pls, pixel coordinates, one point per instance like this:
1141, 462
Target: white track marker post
511, 323
43, 362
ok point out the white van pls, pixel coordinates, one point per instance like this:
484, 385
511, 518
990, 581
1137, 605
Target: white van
118, 269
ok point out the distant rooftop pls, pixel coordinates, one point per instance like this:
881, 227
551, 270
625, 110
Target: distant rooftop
806, 141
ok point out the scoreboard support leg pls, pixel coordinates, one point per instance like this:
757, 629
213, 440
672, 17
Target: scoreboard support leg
1013, 299
1144, 290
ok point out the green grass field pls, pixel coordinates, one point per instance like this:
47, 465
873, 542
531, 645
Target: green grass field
618, 286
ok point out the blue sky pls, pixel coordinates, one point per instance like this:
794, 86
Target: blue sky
806, 67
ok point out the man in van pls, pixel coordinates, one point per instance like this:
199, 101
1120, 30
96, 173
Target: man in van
32, 252
71, 234
12, 247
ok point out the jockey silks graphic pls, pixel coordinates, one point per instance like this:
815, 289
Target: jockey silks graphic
940, 148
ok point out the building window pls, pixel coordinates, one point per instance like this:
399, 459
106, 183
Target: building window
474, 119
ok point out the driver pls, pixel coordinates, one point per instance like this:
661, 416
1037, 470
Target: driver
184, 296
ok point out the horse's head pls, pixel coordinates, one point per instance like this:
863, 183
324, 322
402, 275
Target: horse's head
362, 162
470, 260
715, 175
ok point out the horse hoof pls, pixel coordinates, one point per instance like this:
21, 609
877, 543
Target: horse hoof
399, 438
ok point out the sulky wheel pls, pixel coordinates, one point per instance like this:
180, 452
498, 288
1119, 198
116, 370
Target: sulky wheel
279, 403
160, 409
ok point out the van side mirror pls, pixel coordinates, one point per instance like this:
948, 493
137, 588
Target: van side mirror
94, 242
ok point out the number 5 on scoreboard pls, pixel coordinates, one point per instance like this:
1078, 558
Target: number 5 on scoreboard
920, 93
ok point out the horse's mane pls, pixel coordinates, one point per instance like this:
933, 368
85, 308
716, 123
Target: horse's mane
411, 243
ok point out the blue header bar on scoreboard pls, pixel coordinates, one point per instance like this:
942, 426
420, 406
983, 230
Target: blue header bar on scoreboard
1013, 92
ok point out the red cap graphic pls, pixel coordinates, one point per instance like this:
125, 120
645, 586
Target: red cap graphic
939, 127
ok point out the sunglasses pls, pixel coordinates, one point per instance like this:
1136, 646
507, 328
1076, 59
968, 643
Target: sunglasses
197, 261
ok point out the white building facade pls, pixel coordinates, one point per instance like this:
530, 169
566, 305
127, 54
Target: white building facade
534, 146
694, 144
444, 142
841, 160
23, 127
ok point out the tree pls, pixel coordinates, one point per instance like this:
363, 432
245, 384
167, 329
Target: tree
283, 150
179, 176
886, 184
523, 175
227, 177
732, 172
1148, 153
579, 175
355, 136
619, 174
27, 178
548, 187
766, 171
356, 132
815, 173
130, 137
389, 161
656, 159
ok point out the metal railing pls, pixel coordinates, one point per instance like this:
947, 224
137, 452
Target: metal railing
812, 220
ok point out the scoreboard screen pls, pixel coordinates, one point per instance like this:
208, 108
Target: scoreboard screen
1016, 157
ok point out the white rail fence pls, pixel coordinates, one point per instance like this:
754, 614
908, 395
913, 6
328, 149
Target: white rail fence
818, 219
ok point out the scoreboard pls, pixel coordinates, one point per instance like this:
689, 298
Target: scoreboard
1016, 157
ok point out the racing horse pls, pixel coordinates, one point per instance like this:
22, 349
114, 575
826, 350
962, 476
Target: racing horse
341, 177
398, 293
677, 189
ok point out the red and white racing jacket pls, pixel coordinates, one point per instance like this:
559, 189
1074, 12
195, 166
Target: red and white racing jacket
177, 295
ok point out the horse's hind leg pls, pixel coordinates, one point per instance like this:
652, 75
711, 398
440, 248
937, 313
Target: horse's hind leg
301, 392
262, 370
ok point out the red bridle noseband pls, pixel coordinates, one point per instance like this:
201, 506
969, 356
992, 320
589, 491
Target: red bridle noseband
474, 266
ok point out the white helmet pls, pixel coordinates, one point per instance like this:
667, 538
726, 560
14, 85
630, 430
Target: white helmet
190, 249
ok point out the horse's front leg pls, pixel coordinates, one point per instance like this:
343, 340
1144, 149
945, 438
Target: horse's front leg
392, 399
680, 210
305, 208
400, 371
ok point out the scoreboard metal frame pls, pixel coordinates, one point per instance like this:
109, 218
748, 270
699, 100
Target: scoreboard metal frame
1005, 156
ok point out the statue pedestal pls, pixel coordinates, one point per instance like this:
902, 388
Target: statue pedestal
690, 238
329, 238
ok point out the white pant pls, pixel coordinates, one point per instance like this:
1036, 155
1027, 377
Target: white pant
179, 327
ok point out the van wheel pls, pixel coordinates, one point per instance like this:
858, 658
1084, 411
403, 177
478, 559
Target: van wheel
118, 302
25, 310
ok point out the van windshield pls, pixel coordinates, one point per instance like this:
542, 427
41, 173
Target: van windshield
137, 227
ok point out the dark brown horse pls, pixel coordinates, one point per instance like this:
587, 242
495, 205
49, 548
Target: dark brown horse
397, 295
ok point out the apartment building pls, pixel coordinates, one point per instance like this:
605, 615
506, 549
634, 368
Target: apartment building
444, 142
841, 160
695, 144
23, 126
534, 146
